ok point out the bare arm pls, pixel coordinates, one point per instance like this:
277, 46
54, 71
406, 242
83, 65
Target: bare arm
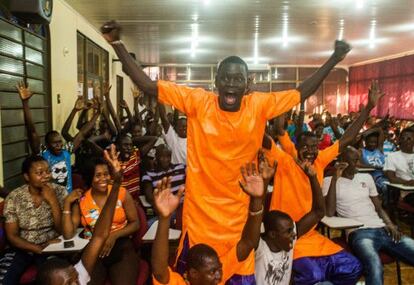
300, 121
71, 214
164, 119
111, 32
318, 204
12, 233
149, 144
79, 105
111, 109
83, 132
34, 139
394, 179
311, 84
389, 225
148, 192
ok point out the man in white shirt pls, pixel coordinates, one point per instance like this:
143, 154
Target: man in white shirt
354, 195
399, 165
176, 137
58, 271
274, 254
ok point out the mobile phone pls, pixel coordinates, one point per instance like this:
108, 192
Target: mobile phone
68, 244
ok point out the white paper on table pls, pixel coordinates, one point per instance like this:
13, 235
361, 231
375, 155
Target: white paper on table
144, 201
150, 234
90, 93
341, 223
79, 242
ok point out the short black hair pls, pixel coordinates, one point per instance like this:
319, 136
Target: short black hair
49, 136
89, 169
121, 137
28, 162
407, 130
372, 134
46, 270
231, 59
303, 136
272, 218
162, 147
197, 255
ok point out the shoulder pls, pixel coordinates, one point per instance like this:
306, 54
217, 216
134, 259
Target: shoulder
16, 193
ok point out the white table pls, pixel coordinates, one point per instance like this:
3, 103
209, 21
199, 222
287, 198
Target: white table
340, 223
366, 169
79, 242
400, 186
150, 234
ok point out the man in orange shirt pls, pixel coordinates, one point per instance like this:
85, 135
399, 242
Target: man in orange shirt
316, 258
223, 132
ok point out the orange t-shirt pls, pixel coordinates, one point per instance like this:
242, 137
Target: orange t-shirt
230, 266
218, 144
90, 211
292, 194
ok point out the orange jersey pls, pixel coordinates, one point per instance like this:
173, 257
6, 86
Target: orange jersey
230, 266
292, 194
218, 144
90, 212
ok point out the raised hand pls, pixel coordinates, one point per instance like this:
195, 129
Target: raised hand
80, 104
107, 90
374, 94
123, 104
111, 31
341, 49
166, 202
267, 170
73, 196
136, 93
48, 193
340, 167
24, 91
307, 167
111, 157
252, 183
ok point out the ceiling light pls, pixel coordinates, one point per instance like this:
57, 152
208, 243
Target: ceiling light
359, 4
341, 29
372, 34
285, 36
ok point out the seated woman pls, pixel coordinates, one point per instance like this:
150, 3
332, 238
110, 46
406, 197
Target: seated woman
118, 253
33, 219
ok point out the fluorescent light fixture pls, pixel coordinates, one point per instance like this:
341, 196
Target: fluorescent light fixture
256, 41
194, 38
341, 29
359, 4
276, 75
372, 34
285, 36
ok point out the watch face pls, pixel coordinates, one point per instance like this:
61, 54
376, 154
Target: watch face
47, 6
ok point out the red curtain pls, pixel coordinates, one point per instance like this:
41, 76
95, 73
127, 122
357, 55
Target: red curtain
395, 78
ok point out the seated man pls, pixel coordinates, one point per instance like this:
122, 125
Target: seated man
399, 165
316, 258
274, 255
58, 271
354, 195
203, 264
163, 168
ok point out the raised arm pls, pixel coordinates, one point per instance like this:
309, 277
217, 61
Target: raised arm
301, 120
104, 223
254, 184
136, 93
79, 106
317, 211
111, 109
311, 84
34, 139
352, 131
164, 119
165, 204
111, 32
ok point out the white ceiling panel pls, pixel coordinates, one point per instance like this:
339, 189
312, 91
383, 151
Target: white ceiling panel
260, 31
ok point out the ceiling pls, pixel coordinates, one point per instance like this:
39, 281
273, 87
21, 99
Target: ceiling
260, 31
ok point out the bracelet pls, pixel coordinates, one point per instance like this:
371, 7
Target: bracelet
256, 213
66, 212
118, 42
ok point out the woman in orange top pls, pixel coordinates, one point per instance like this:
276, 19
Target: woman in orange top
118, 253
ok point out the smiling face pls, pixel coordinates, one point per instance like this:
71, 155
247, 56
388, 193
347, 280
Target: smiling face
307, 148
101, 178
232, 85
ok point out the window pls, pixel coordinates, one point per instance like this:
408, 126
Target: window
93, 67
23, 56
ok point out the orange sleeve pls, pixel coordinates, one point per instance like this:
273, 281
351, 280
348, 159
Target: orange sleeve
275, 103
175, 279
181, 97
274, 154
231, 264
287, 145
327, 155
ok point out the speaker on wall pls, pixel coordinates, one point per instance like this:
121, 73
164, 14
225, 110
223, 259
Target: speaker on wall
32, 11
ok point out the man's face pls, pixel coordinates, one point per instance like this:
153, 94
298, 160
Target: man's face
407, 142
308, 149
55, 144
125, 148
232, 85
181, 128
136, 132
371, 143
285, 235
163, 158
210, 273
352, 158
67, 276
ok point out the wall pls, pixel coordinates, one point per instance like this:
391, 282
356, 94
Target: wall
63, 28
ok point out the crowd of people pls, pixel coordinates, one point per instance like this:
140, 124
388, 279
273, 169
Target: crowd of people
205, 169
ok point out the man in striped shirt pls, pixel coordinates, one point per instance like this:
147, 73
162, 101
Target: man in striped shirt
163, 168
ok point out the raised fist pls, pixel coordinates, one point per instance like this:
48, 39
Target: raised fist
111, 31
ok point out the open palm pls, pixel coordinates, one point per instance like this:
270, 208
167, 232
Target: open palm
112, 157
252, 180
375, 94
166, 202
24, 91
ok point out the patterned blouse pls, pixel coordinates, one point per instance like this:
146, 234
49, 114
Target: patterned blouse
35, 223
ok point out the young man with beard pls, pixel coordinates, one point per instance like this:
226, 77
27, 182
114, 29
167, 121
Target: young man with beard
354, 195
316, 258
223, 133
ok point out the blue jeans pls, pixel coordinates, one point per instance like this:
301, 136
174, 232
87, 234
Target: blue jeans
366, 243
